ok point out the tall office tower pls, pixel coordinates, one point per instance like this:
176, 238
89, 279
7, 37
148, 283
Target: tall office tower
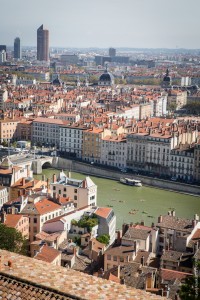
2, 47
17, 48
42, 44
112, 52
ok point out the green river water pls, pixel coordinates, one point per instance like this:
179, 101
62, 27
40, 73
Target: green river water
147, 202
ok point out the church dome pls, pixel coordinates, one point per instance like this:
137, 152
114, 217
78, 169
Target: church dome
106, 78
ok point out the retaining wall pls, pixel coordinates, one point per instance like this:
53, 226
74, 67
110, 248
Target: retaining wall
89, 169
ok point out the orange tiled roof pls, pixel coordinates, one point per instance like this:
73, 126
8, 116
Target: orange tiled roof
103, 212
55, 279
44, 206
12, 220
47, 254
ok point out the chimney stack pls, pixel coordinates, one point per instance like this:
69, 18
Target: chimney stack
142, 261
54, 178
3, 216
160, 219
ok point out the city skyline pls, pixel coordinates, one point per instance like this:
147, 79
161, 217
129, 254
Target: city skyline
133, 23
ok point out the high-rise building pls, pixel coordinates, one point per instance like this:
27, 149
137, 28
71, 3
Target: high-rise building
2, 47
42, 44
17, 48
112, 52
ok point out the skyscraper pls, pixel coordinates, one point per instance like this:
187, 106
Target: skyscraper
112, 52
42, 44
17, 48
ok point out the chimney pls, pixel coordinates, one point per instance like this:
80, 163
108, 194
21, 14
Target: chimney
125, 227
119, 237
100, 273
47, 183
84, 184
3, 216
75, 251
12, 210
28, 170
23, 181
194, 223
142, 223
173, 213
169, 213
142, 261
54, 178
160, 219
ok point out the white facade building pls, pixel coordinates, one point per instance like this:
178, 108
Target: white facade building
46, 131
82, 192
114, 151
3, 196
107, 222
71, 140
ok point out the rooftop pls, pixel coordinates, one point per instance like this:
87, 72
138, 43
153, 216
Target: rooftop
51, 281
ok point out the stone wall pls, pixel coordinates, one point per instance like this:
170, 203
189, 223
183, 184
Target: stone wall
89, 169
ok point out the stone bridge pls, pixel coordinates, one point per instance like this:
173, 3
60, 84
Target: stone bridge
35, 163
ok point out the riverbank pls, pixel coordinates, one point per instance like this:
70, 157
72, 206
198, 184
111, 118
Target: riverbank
134, 204
101, 172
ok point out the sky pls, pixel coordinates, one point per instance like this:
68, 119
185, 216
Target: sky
103, 23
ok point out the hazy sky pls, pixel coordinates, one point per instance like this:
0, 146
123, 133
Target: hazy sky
103, 23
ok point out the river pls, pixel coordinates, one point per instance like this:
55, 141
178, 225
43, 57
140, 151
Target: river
133, 204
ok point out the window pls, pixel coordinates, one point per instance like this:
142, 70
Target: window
35, 220
108, 257
121, 259
75, 191
115, 258
75, 197
54, 188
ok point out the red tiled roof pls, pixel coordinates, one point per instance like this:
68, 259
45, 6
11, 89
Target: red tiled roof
103, 212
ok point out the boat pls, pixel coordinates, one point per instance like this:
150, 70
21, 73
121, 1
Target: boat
130, 181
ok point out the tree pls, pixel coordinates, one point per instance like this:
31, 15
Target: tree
104, 239
12, 240
190, 290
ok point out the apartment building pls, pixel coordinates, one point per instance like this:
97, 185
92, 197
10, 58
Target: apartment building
3, 98
146, 110
178, 98
9, 174
182, 162
8, 129
114, 151
72, 118
24, 130
17, 221
82, 192
197, 162
149, 149
39, 209
116, 256
92, 139
107, 222
3, 195
46, 131
175, 233
159, 106
71, 140
150, 152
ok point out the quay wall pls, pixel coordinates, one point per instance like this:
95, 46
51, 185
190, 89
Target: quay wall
97, 171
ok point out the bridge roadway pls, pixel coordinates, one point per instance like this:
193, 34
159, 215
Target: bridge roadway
34, 161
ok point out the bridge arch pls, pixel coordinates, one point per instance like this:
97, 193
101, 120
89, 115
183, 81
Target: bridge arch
46, 165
